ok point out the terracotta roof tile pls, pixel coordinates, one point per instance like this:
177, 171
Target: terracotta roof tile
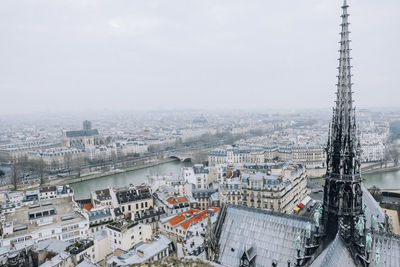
177, 219
195, 219
176, 200
87, 206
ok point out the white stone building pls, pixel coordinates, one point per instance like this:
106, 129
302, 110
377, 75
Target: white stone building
125, 234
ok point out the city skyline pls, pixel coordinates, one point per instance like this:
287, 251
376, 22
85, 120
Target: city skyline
129, 56
223, 176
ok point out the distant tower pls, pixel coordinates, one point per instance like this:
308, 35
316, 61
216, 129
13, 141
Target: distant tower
87, 125
342, 193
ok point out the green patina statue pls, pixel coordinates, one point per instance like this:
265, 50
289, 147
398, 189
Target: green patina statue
361, 225
368, 241
373, 222
308, 230
298, 241
317, 216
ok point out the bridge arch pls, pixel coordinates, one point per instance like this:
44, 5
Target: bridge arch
181, 158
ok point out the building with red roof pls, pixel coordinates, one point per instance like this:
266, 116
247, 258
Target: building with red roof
177, 227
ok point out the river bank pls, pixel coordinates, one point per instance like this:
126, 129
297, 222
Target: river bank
319, 173
388, 169
90, 176
83, 188
117, 171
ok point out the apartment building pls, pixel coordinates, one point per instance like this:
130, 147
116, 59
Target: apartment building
126, 233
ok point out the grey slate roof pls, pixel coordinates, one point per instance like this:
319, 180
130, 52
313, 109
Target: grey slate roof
389, 249
80, 133
53, 245
203, 193
98, 214
372, 207
336, 254
271, 235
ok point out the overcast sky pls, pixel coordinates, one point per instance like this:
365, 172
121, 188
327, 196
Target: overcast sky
92, 54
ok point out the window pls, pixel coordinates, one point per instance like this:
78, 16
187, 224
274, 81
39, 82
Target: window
137, 206
145, 204
141, 204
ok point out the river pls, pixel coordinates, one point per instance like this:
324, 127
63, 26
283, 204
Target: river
384, 180
83, 189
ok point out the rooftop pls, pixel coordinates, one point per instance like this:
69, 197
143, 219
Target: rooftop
132, 195
246, 228
176, 200
80, 246
103, 194
122, 225
55, 211
142, 252
198, 218
79, 133
100, 213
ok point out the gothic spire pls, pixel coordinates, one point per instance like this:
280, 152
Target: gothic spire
342, 191
343, 145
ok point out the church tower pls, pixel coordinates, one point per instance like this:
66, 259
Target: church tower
342, 207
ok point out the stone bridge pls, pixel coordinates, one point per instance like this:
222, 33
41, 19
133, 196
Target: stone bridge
183, 157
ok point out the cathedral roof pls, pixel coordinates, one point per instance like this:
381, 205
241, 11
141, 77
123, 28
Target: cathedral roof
388, 246
271, 236
336, 254
372, 207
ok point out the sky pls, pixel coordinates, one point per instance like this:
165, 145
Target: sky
192, 54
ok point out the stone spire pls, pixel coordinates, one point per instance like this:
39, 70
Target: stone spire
343, 147
210, 242
342, 194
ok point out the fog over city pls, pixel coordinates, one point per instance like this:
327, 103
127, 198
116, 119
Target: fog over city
199, 133
140, 55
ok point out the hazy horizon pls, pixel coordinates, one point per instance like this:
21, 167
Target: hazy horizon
78, 56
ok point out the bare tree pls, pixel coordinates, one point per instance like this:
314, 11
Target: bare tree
40, 166
376, 193
394, 154
114, 158
155, 148
68, 162
122, 158
200, 157
54, 165
14, 173
78, 169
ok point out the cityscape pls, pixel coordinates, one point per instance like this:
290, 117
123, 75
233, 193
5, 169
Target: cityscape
222, 186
